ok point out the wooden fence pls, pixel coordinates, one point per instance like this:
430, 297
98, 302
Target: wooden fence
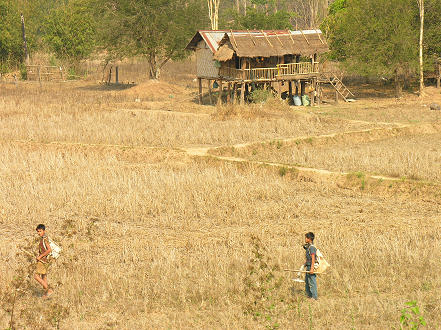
44, 73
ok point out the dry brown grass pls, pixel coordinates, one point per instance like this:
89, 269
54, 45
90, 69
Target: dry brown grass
154, 238
409, 152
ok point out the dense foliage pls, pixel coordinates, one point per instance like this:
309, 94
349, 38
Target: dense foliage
70, 31
11, 46
380, 37
372, 37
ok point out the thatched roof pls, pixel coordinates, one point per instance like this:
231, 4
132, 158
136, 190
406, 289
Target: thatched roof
270, 43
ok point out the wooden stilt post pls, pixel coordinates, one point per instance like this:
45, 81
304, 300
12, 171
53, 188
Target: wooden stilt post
313, 92
290, 92
336, 97
234, 93
200, 90
210, 93
297, 87
302, 88
438, 81
229, 92
116, 75
242, 89
279, 89
219, 100
110, 75
319, 96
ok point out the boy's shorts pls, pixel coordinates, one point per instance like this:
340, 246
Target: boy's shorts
41, 268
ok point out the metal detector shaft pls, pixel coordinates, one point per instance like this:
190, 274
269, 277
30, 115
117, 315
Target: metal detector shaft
30, 254
301, 271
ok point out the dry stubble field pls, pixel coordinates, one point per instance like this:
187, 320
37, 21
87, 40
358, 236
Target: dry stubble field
157, 237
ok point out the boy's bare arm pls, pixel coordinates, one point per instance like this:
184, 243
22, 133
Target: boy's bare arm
45, 253
311, 271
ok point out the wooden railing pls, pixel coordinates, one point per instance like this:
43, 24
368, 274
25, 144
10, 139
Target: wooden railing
297, 68
265, 74
231, 73
261, 74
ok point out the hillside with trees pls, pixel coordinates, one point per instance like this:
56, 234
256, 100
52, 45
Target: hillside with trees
369, 37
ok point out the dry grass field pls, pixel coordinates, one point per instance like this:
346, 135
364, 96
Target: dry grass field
155, 236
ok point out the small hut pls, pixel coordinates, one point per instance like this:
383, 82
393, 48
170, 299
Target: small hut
271, 59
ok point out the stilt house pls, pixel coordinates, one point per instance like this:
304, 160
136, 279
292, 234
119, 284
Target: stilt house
271, 59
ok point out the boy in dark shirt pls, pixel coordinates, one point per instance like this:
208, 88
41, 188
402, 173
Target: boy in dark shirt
44, 249
311, 256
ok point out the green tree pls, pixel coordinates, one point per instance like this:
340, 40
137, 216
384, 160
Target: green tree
375, 37
69, 31
432, 31
11, 45
262, 15
156, 29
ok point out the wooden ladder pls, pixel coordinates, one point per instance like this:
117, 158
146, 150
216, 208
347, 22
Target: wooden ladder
340, 87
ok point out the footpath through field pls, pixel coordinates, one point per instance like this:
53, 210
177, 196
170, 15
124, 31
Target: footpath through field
216, 152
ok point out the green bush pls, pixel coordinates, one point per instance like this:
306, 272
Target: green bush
23, 72
260, 96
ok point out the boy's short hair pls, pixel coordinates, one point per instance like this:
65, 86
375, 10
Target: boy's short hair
41, 226
310, 235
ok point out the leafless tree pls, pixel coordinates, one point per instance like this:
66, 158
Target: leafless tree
421, 8
213, 12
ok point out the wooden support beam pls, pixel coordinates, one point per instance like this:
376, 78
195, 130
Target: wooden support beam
234, 93
279, 89
251, 37
232, 37
318, 34
281, 43
438, 81
242, 93
290, 92
210, 92
292, 39
305, 38
219, 100
229, 92
200, 90
266, 38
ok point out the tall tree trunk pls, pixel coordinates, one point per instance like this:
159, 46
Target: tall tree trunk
154, 70
421, 6
213, 13
398, 83
25, 44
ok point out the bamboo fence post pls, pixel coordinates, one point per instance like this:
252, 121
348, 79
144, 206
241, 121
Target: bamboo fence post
200, 90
